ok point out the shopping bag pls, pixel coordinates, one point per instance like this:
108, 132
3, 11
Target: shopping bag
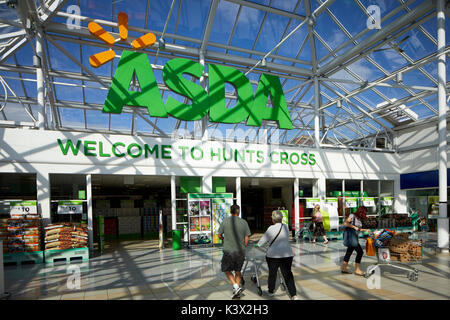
370, 250
383, 238
325, 220
350, 238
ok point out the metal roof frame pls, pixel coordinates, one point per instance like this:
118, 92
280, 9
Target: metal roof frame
37, 25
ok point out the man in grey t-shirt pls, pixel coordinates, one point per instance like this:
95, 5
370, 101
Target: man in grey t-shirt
235, 234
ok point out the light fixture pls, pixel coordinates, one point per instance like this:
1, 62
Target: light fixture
36, 61
365, 84
263, 62
399, 77
311, 20
128, 180
339, 104
162, 43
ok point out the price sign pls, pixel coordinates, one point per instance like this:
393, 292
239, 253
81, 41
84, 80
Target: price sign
70, 207
384, 254
332, 202
22, 207
369, 202
312, 202
351, 202
386, 201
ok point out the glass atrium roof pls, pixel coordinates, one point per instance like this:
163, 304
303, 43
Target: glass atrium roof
373, 63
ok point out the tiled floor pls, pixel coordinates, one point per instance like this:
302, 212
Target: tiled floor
138, 270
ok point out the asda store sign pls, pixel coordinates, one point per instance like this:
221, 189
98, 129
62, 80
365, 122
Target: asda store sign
250, 107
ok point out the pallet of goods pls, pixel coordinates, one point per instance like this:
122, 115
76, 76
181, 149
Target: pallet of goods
23, 234
60, 236
403, 249
4, 233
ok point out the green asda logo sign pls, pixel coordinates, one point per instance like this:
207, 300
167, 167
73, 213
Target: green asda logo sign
249, 107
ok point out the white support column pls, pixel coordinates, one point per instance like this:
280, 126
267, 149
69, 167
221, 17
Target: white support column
204, 120
296, 204
40, 83
321, 189
399, 198
238, 193
207, 184
442, 233
379, 198
316, 112
361, 188
43, 196
90, 215
173, 198
343, 197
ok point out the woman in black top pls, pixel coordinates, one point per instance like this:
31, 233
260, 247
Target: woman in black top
355, 221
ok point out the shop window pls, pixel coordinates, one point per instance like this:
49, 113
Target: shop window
276, 193
370, 189
387, 190
67, 187
17, 186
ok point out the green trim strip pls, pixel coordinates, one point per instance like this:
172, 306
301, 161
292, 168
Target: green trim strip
209, 195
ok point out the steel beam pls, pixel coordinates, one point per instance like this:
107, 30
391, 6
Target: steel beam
381, 35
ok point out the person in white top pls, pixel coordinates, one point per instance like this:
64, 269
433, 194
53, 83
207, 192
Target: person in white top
279, 254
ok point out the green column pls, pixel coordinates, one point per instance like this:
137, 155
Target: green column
176, 240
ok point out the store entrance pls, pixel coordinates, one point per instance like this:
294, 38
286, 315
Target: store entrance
130, 206
260, 196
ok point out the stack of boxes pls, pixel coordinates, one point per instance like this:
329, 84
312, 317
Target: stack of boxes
65, 235
24, 234
4, 233
405, 250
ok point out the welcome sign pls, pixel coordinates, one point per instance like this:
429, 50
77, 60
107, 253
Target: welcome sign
118, 149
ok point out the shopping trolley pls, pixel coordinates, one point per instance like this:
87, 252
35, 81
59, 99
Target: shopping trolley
405, 261
307, 231
257, 256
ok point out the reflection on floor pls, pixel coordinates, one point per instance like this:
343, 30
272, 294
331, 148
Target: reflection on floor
139, 270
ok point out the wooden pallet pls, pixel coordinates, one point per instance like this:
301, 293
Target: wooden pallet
66, 255
18, 258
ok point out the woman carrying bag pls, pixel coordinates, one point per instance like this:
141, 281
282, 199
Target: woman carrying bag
319, 230
353, 224
279, 254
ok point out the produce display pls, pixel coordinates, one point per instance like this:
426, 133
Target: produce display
387, 221
66, 236
21, 234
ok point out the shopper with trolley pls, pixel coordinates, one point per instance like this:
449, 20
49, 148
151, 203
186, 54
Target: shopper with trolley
279, 254
353, 224
235, 233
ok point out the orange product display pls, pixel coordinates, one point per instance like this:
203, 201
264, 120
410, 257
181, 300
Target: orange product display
23, 234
